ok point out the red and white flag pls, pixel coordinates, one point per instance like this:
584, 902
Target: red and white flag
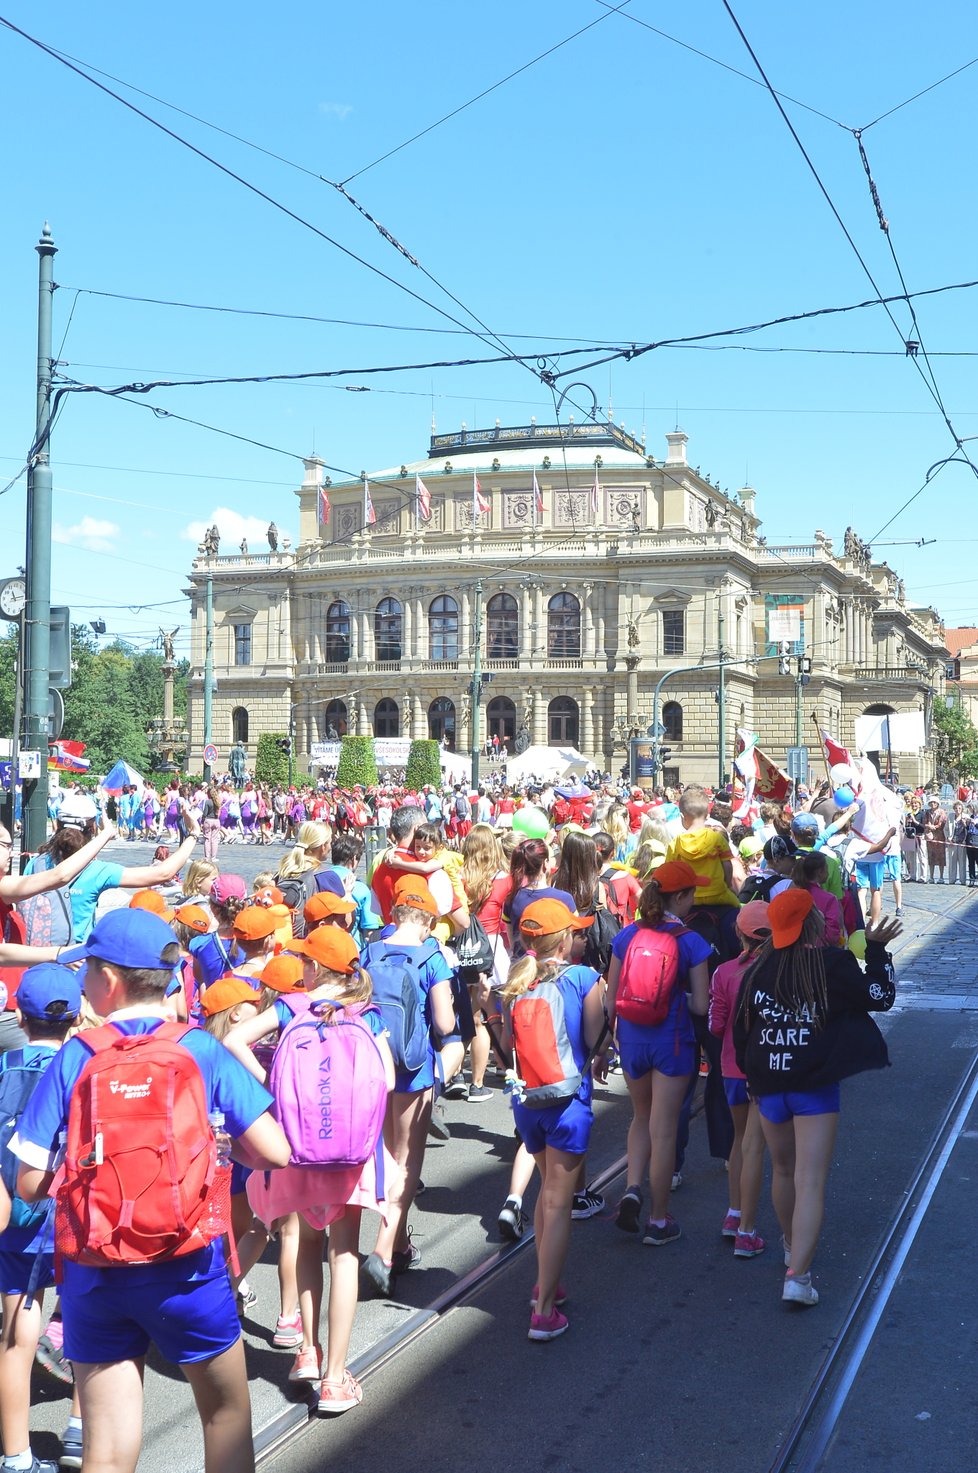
424, 499
537, 501
480, 502
324, 507
369, 515
595, 490
834, 751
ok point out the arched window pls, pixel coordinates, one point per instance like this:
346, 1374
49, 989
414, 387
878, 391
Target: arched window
564, 627
502, 628
672, 721
501, 721
239, 724
387, 719
338, 633
563, 722
441, 721
443, 629
335, 721
388, 629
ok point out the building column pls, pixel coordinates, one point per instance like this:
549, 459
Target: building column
363, 725
539, 640
466, 642
587, 621
585, 735
539, 718
419, 720
417, 620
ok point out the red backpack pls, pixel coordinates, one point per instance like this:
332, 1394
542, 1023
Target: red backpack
649, 975
544, 1056
140, 1159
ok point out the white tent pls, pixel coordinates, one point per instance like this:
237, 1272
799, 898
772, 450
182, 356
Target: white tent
545, 762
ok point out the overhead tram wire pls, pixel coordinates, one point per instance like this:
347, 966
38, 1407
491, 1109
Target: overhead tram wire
931, 387
922, 93
246, 184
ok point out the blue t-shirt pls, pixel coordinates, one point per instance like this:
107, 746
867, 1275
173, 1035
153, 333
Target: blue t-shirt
215, 956
692, 950
575, 983
37, 1237
85, 891
365, 918
39, 1138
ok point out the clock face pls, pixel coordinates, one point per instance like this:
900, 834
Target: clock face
13, 597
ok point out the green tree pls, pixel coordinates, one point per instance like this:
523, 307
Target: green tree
271, 763
955, 741
358, 763
423, 765
8, 660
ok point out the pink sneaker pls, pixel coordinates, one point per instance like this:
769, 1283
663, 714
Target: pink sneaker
731, 1226
306, 1366
288, 1332
748, 1245
547, 1326
339, 1396
559, 1298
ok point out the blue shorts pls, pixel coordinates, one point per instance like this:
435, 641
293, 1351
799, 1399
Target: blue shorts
869, 873
239, 1178
735, 1091
117, 1321
670, 1048
779, 1109
892, 867
566, 1128
16, 1270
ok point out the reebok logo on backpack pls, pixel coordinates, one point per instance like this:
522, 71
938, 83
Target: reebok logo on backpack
140, 1157
649, 976
544, 1055
395, 973
330, 1088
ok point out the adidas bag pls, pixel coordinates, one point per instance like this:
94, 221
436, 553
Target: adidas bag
649, 976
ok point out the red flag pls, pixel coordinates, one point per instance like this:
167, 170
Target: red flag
772, 781
594, 496
323, 506
369, 515
480, 502
834, 750
424, 499
537, 501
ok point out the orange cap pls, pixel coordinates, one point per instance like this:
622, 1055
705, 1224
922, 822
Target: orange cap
226, 992
546, 917
413, 890
151, 900
330, 946
194, 917
254, 923
324, 905
786, 915
283, 974
676, 875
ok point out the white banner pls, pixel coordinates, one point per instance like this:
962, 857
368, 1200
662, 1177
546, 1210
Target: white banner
901, 731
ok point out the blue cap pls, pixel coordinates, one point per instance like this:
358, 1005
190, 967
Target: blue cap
128, 938
330, 881
804, 821
49, 991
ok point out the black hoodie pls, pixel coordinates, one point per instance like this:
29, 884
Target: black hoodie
785, 1050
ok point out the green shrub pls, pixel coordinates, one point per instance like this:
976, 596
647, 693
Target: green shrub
271, 763
423, 766
358, 763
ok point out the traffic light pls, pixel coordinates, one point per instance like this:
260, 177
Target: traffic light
285, 745
664, 754
804, 664
784, 657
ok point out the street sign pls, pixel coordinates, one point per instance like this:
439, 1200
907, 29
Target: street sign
210, 754
29, 766
798, 764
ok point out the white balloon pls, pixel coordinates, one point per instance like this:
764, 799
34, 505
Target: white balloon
841, 774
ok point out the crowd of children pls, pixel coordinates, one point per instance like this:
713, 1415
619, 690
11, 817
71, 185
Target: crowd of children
307, 1029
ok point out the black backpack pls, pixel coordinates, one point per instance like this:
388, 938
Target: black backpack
295, 893
599, 937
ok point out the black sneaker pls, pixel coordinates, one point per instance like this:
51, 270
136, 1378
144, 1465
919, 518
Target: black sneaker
511, 1220
438, 1125
657, 1237
629, 1211
586, 1204
379, 1273
478, 1094
403, 1259
456, 1088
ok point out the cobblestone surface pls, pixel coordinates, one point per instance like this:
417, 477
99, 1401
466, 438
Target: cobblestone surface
937, 956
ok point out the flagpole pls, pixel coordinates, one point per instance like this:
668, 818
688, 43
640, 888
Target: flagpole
821, 748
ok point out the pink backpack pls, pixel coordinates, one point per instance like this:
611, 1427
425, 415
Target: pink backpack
649, 976
330, 1088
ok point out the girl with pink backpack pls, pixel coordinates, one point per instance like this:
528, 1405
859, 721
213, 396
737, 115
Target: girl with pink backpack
339, 1162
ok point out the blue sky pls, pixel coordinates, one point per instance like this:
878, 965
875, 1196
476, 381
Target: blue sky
623, 189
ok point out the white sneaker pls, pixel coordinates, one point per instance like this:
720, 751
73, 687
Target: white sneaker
677, 1180
798, 1289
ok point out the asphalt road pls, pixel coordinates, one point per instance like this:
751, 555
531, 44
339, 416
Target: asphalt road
685, 1359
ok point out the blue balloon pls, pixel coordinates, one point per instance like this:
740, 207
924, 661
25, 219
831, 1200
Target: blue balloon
843, 797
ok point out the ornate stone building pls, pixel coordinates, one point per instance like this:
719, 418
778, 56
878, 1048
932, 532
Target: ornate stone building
593, 568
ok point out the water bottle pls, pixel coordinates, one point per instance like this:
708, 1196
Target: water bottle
217, 1215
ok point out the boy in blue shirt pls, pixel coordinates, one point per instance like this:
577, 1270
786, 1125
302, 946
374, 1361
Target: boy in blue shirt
184, 1304
48, 1004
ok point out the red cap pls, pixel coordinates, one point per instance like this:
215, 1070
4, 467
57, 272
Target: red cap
676, 875
786, 915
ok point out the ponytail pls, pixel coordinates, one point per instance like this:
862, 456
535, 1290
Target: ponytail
539, 962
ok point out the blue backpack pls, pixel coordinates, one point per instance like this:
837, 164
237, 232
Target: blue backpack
395, 973
19, 1079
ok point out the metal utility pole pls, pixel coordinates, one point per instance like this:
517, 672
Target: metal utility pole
208, 667
721, 698
476, 693
37, 612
